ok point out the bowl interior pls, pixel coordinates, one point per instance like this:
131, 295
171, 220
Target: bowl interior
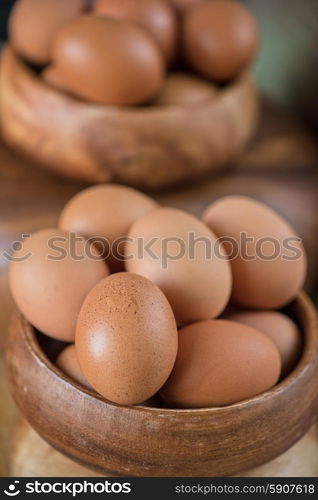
147, 441
49, 349
149, 106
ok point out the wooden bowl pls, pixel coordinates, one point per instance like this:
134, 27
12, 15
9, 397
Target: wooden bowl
146, 147
139, 441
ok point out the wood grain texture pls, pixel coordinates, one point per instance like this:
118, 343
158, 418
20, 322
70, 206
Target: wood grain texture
8, 418
301, 460
150, 147
138, 441
32, 456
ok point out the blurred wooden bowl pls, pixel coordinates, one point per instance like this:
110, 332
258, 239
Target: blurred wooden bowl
146, 147
141, 441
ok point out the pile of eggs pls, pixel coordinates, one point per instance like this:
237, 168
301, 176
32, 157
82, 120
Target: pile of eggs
158, 307
132, 52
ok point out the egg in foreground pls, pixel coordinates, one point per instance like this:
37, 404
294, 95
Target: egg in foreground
181, 255
126, 338
267, 256
105, 213
280, 328
220, 363
68, 363
50, 276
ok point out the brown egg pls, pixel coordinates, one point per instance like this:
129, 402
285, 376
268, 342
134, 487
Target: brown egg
220, 363
267, 257
183, 5
68, 363
108, 61
126, 338
182, 89
50, 276
156, 16
177, 252
106, 212
280, 328
34, 23
52, 77
220, 39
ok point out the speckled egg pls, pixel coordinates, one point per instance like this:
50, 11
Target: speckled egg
126, 338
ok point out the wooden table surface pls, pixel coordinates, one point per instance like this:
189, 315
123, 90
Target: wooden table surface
280, 167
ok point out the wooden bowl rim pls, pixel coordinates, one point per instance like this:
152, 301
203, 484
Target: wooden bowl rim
310, 345
156, 111
151, 148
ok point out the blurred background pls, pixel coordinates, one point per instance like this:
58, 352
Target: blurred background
288, 63
287, 67
5, 8
280, 166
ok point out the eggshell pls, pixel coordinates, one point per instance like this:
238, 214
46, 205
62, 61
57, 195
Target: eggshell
106, 211
219, 363
280, 328
34, 23
156, 16
108, 61
220, 39
182, 89
49, 282
197, 286
52, 77
68, 363
266, 273
126, 338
